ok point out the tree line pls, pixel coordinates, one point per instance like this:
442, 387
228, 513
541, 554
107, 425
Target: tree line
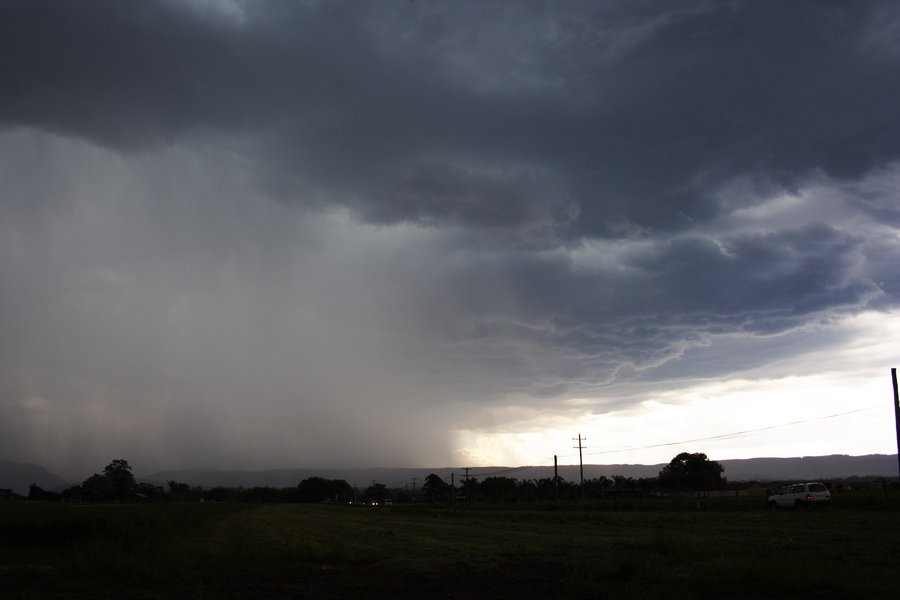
116, 483
686, 472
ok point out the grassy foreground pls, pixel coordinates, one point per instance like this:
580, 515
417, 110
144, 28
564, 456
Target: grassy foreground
714, 548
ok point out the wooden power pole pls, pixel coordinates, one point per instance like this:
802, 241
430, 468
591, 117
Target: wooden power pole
555, 478
580, 462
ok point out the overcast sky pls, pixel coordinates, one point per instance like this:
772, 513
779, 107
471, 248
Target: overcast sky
245, 234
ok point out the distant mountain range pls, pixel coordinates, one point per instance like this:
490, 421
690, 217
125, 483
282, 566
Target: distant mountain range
836, 466
752, 469
18, 476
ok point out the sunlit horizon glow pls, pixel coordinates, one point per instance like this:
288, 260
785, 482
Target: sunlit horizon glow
846, 412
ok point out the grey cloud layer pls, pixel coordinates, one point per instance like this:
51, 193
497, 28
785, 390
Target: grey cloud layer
257, 220
626, 113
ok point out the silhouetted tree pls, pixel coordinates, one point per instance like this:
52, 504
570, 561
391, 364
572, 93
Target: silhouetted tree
318, 489
497, 489
593, 488
435, 488
98, 488
526, 490
471, 489
119, 473
36, 492
222, 494
692, 471
569, 490
149, 492
178, 491
72, 494
340, 490
648, 483
547, 488
262, 494
376, 492
621, 482
116, 483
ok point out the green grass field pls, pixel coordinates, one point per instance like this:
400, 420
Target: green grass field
712, 548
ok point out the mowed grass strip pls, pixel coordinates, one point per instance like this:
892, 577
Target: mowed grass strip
331, 551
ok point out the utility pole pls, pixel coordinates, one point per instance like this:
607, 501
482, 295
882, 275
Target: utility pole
556, 476
414, 488
580, 461
452, 488
466, 487
896, 416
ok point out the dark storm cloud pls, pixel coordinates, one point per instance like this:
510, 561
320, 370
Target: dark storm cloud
493, 115
254, 220
561, 325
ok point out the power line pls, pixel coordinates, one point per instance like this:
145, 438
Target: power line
738, 433
499, 472
666, 444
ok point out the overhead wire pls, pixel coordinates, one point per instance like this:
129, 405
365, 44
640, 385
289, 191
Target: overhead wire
734, 433
474, 471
